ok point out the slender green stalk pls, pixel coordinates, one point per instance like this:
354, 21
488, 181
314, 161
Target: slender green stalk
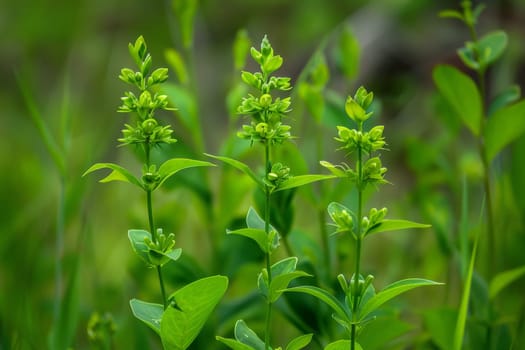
267, 230
358, 241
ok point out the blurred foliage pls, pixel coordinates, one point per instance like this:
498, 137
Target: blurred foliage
67, 56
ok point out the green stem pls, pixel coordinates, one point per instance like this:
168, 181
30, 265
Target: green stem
153, 231
267, 230
358, 243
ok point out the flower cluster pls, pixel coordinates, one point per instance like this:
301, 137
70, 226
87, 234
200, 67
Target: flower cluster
265, 110
147, 129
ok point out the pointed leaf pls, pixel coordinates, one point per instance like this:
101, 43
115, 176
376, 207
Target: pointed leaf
297, 181
299, 342
149, 313
503, 279
174, 165
503, 127
189, 309
174, 254
258, 235
392, 291
510, 95
451, 14
280, 282
338, 307
233, 344
254, 220
342, 344
175, 60
279, 268
241, 48
245, 335
348, 53
461, 93
240, 166
118, 173
136, 238
394, 225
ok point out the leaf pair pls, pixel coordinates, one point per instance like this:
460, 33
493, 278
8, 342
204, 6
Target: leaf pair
187, 313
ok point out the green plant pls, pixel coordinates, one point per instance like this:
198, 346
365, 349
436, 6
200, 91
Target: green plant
494, 122
180, 317
266, 111
360, 297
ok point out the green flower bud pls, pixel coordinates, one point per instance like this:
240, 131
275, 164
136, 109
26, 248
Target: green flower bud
149, 125
265, 100
355, 111
262, 129
266, 47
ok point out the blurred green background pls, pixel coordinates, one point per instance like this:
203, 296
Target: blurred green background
65, 56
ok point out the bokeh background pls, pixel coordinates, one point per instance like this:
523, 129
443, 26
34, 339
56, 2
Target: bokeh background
59, 66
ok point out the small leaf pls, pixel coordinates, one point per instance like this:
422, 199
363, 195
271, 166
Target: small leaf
280, 282
334, 169
240, 166
347, 54
246, 336
451, 14
136, 238
279, 268
149, 313
233, 344
492, 45
461, 93
241, 48
338, 307
174, 165
118, 173
175, 60
503, 279
503, 127
301, 180
504, 98
392, 291
185, 11
257, 235
394, 225
342, 344
190, 307
299, 342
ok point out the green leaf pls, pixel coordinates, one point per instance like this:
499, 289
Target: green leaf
439, 323
258, 235
241, 48
185, 10
245, 335
136, 238
118, 173
338, 307
461, 93
175, 60
492, 45
188, 311
283, 272
280, 282
240, 166
334, 169
299, 342
347, 55
174, 165
503, 127
233, 344
510, 95
342, 344
451, 14
149, 313
503, 279
394, 225
297, 181
392, 291
254, 220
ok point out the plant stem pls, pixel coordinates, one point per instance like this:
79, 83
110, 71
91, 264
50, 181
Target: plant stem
267, 167
152, 229
358, 242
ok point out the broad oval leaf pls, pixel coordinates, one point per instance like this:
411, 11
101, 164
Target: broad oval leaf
174, 165
461, 93
391, 291
503, 279
492, 45
299, 342
189, 309
149, 313
240, 166
338, 307
301, 180
118, 173
342, 344
503, 127
256, 234
245, 335
394, 225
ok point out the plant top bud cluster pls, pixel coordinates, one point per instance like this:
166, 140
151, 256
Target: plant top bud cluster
265, 110
147, 129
